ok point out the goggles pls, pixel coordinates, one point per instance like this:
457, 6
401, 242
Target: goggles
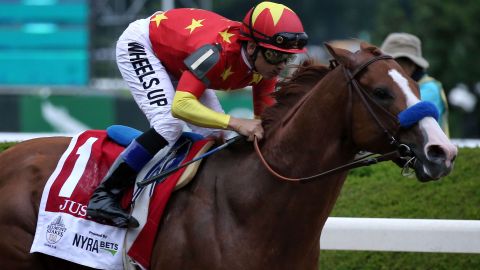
286, 40
275, 57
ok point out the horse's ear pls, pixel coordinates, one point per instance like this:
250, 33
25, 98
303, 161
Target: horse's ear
365, 46
341, 55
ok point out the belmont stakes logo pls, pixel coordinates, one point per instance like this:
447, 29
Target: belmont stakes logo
55, 230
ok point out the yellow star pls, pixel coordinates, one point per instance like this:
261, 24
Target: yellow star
256, 78
158, 18
195, 24
276, 10
226, 36
226, 73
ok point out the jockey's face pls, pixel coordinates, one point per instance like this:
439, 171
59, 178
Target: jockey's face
264, 67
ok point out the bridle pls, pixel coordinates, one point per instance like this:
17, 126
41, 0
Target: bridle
402, 150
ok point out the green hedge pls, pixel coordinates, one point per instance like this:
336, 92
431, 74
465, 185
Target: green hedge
380, 191
4, 146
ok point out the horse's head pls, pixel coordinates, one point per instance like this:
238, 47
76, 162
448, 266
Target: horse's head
387, 113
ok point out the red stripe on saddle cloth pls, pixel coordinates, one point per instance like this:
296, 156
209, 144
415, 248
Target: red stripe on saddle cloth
82, 171
141, 249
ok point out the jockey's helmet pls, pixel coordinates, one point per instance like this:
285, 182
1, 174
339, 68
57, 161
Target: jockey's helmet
274, 26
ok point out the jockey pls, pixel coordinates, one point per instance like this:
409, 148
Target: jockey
173, 61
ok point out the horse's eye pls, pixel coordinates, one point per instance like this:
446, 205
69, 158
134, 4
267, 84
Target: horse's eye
382, 93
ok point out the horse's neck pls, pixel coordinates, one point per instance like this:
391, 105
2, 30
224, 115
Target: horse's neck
315, 138
259, 212
309, 143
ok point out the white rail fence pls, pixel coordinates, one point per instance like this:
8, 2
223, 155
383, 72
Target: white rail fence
379, 234
22, 136
410, 235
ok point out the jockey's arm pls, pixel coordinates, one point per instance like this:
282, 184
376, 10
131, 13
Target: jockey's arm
186, 106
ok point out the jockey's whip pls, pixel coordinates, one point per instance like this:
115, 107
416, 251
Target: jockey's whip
162, 176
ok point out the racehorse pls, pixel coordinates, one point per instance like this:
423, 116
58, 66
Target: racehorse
237, 214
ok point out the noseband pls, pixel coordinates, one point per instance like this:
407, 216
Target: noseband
402, 150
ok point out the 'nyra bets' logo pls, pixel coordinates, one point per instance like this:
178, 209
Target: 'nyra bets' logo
55, 230
95, 243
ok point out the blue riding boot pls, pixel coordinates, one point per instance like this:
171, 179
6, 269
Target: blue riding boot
104, 205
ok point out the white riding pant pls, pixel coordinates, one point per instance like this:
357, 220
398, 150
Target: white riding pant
151, 85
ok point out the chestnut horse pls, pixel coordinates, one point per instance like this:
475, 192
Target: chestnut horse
236, 214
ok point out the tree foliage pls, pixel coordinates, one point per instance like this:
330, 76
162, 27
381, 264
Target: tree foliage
448, 30
322, 20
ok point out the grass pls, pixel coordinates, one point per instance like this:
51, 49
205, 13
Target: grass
5, 145
363, 260
380, 191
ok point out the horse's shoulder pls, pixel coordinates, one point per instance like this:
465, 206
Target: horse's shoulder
35, 155
40, 144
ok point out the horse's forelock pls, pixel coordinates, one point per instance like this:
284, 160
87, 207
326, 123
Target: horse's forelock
374, 50
293, 88
366, 51
365, 46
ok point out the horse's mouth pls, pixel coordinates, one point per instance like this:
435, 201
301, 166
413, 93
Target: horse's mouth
427, 169
424, 169
430, 171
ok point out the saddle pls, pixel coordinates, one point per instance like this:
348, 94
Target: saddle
124, 135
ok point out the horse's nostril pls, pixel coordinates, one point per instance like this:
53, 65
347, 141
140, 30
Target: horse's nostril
436, 153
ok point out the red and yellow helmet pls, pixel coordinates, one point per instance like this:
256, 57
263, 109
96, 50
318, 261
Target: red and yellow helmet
275, 26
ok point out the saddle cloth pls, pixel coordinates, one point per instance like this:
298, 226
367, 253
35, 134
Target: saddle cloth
64, 231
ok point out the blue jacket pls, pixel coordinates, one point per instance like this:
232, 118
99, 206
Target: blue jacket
432, 90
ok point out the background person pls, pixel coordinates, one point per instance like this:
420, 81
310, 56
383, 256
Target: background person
407, 51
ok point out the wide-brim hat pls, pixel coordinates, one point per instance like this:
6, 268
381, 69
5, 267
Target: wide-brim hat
405, 45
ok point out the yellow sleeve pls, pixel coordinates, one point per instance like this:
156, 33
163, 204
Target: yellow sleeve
186, 107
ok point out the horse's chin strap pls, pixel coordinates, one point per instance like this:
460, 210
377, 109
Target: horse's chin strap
361, 162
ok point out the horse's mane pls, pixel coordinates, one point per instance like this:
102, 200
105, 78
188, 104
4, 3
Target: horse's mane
293, 88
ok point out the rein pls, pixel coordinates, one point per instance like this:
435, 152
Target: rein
401, 151
364, 161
